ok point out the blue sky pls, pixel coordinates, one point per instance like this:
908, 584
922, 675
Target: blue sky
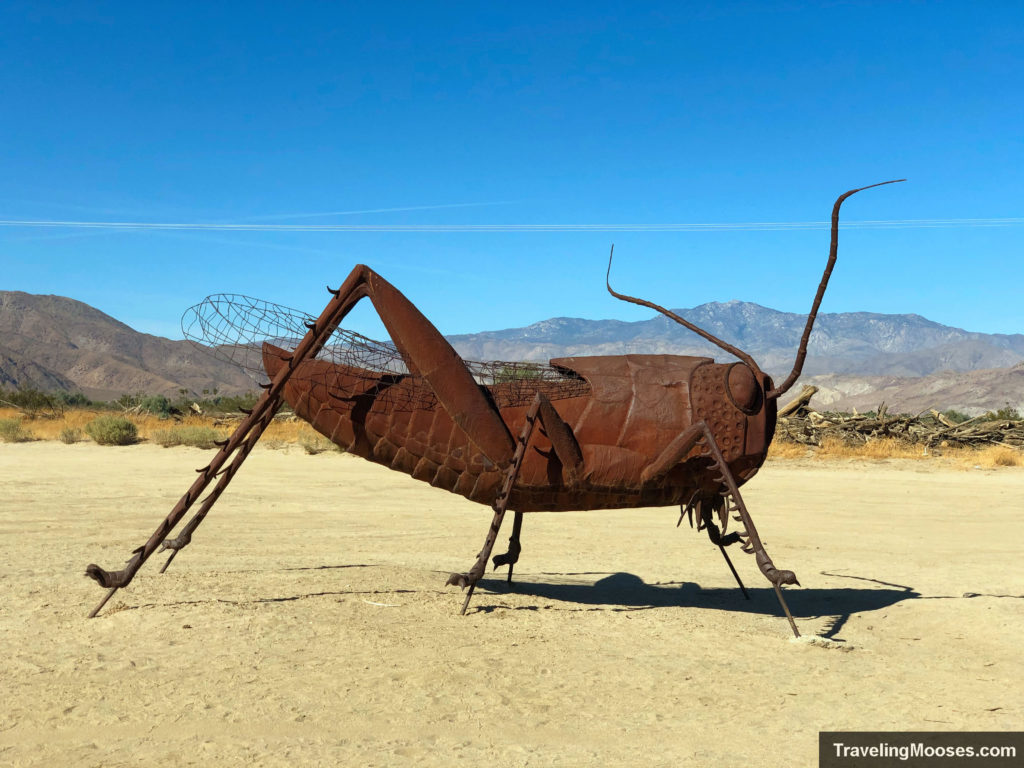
624, 115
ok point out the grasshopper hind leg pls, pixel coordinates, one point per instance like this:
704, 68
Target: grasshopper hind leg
511, 557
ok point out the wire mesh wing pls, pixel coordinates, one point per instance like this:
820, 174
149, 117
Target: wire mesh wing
233, 328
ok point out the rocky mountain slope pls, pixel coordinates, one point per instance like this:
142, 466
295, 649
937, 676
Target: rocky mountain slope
861, 343
857, 359
56, 343
972, 392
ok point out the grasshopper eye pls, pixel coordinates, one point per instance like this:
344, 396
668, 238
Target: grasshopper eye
742, 388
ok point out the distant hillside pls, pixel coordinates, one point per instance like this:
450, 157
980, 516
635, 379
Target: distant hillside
860, 343
55, 343
19, 372
973, 392
857, 358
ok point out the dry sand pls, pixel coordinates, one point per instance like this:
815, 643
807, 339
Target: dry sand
309, 623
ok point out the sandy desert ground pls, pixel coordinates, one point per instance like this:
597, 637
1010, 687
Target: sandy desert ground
309, 623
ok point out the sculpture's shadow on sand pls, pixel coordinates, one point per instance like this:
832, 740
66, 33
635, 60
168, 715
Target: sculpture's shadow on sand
627, 592
597, 591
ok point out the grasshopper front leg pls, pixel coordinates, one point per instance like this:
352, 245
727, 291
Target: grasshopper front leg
700, 434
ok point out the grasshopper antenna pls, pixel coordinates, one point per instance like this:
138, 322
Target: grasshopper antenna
801, 354
673, 316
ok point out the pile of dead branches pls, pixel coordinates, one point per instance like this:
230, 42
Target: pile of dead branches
799, 423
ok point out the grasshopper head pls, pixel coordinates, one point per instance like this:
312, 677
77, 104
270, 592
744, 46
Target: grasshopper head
731, 398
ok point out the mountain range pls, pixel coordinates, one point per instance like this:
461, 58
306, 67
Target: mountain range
855, 358
54, 343
862, 343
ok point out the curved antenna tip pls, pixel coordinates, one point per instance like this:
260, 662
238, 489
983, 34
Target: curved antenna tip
801, 354
871, 186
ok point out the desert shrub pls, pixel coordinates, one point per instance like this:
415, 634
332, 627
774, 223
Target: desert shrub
955, 416
140, 402
228, 403
126, 401
518, 372
1003, 414
72, 399
197, 437
13, 431
34, 402
787, 449
70, 435
315, 443
112, 430
168, 438
877, 448
998, 456
158, 405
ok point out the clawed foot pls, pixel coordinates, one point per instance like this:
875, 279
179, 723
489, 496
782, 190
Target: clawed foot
464, 580
506, 559
469, 579
461, 580
106, 579
773, 574
728, 539
179, 542
785, 577
510, 558
100, 576
115, 579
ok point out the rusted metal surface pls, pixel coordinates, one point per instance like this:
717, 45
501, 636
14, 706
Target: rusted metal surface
634, 406
614, 431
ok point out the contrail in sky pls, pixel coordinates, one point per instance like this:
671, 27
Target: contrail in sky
762, 226
373, 210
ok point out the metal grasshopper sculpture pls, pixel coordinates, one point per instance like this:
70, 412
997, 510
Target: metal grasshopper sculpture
580, 433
